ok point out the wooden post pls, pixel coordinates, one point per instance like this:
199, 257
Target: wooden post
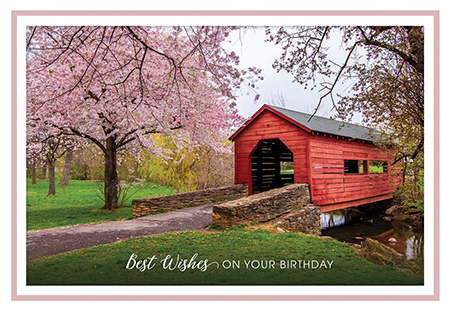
276, 153
308, 166
259, 168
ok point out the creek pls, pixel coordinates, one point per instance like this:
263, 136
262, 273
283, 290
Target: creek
354, 227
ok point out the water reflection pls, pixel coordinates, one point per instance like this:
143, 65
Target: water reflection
414, 247
328, 220
345, 227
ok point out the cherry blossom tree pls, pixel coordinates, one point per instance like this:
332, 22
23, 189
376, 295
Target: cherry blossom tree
48, 148
33, 157
121, 86
67, 162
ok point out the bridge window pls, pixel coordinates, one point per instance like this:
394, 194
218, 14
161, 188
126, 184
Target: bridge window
378, 166
287, 167
352, 166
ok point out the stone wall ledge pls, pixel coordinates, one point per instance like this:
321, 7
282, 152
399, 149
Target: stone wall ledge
145, 206
265, 206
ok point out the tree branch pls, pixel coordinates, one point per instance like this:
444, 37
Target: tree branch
408, 58
330, 90
135, 36
87, 136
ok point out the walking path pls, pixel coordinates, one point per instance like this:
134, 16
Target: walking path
54, 241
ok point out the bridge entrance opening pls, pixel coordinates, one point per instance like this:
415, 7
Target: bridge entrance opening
272, 166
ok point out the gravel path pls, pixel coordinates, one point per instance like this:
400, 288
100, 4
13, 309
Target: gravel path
54, 241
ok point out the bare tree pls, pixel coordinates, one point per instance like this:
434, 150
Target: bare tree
277, 99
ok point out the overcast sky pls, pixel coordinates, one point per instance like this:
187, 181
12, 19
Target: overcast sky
254, 51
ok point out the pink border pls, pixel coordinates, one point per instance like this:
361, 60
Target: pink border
15, 296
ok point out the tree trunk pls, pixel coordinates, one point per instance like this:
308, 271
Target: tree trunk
86, 171
44, 171
66, 173
51, 177
111, 177
33, 173
416, 193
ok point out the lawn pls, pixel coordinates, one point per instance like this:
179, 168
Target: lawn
107, 264
79, 203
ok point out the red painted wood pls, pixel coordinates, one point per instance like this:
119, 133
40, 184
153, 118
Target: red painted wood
331, 207
348, 196
333, 189
324, 160
329, 192
326, 176
327, 170
248, 140
354, 155
249, 175
318, 160
235, 162
309, 167
263, 109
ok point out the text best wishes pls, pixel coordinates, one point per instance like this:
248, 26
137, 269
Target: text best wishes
182, 264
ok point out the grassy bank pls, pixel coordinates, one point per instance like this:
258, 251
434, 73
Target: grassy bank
106, 265
79, 203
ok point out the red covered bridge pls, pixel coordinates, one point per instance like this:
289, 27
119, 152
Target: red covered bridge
339, 161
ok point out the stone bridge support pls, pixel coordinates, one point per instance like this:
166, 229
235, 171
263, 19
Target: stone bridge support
289, 206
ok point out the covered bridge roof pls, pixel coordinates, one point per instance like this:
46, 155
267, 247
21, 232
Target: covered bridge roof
316, 124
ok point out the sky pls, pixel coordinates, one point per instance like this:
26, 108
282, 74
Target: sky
254, 51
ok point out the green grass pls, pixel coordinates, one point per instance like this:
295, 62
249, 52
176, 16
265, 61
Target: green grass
106, 265
78, 204
374, 169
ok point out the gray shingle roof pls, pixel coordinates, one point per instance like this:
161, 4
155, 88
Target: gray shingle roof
326, 125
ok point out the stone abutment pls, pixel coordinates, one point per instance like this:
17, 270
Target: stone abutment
289, 206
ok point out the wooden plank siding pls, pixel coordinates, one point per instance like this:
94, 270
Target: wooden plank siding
265, 127
318, 160
330, 185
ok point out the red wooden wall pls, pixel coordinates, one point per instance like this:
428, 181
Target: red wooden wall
270, 126
332, 188
318, 161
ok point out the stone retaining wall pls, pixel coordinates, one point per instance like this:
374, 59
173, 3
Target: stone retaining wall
144, 206
305, 220
292, 203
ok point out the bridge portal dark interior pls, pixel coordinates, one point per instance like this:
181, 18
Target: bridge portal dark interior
272, 166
